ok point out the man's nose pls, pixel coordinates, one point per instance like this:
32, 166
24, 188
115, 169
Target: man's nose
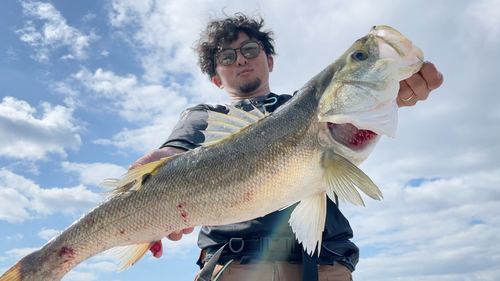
240, 59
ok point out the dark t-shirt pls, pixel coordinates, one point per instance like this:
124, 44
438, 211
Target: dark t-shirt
336, 244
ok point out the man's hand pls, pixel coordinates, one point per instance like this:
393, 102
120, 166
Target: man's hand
155, 155
419, 85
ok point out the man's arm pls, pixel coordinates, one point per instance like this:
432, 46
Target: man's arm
155, 155
418, 86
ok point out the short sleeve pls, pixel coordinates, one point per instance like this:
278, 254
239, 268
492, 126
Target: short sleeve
187, 132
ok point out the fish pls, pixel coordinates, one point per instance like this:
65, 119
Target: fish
251, 164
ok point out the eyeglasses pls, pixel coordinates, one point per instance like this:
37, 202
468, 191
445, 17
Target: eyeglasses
249, 50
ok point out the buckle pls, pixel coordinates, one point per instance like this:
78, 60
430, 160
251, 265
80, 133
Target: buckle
241, 245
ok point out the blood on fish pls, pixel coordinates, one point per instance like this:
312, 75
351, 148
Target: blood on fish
184, 215
65, 251
248, 196
156, 248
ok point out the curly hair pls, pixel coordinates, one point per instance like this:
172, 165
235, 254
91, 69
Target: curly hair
225, 31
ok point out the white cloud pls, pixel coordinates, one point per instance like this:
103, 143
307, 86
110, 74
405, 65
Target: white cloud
424, 232
89, 16
483, 15
28, 135
94, 173
179, 249
20, 252
80, 276
139, 103
144, 139
12, 54
21, 198
13, 207
55, 32
166, 55
16, 237
68, 57
47, 234
64, 88
125, 12
103, 266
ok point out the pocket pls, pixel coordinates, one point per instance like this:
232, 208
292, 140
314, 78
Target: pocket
336, 272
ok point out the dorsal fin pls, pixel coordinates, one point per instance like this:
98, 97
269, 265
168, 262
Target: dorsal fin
221, 126
135, 179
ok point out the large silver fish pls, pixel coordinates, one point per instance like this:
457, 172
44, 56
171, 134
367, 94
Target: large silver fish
251, 164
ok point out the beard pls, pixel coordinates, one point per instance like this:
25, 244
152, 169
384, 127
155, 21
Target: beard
250, 86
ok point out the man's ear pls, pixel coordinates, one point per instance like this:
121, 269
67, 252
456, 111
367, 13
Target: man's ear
217, 82
270, 63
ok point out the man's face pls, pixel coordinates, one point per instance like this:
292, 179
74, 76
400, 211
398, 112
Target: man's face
245, 78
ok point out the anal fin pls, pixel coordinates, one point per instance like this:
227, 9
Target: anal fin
308, 221
126, 256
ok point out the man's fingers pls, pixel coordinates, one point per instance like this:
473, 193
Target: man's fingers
406, 96
175, 236
419, 85
155, 155
141, 161
188, 230
432, 76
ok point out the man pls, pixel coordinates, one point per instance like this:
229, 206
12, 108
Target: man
238, 56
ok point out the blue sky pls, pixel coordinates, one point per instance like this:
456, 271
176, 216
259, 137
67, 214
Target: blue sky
87, 87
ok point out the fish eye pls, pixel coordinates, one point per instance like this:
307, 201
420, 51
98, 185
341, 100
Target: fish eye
359, 55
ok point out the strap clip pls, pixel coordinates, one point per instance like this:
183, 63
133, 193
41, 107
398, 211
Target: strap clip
242, 244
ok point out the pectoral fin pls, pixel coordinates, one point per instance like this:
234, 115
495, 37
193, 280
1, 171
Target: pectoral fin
308, 221
126, 256
343, 177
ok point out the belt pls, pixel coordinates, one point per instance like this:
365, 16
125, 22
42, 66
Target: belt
264, 248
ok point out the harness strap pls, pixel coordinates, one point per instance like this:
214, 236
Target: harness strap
309, 267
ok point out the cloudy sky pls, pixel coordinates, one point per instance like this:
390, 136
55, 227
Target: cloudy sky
87, 87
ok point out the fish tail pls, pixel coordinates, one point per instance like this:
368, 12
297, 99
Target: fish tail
14, 273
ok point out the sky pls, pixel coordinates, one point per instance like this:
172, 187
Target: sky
88, 87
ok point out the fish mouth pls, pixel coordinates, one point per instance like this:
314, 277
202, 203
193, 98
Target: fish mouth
350, 136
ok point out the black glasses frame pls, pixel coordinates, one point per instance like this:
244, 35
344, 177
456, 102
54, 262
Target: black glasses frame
236, 54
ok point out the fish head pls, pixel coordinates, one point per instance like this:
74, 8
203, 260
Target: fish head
359, 101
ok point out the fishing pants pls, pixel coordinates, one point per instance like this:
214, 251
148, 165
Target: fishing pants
276, 271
